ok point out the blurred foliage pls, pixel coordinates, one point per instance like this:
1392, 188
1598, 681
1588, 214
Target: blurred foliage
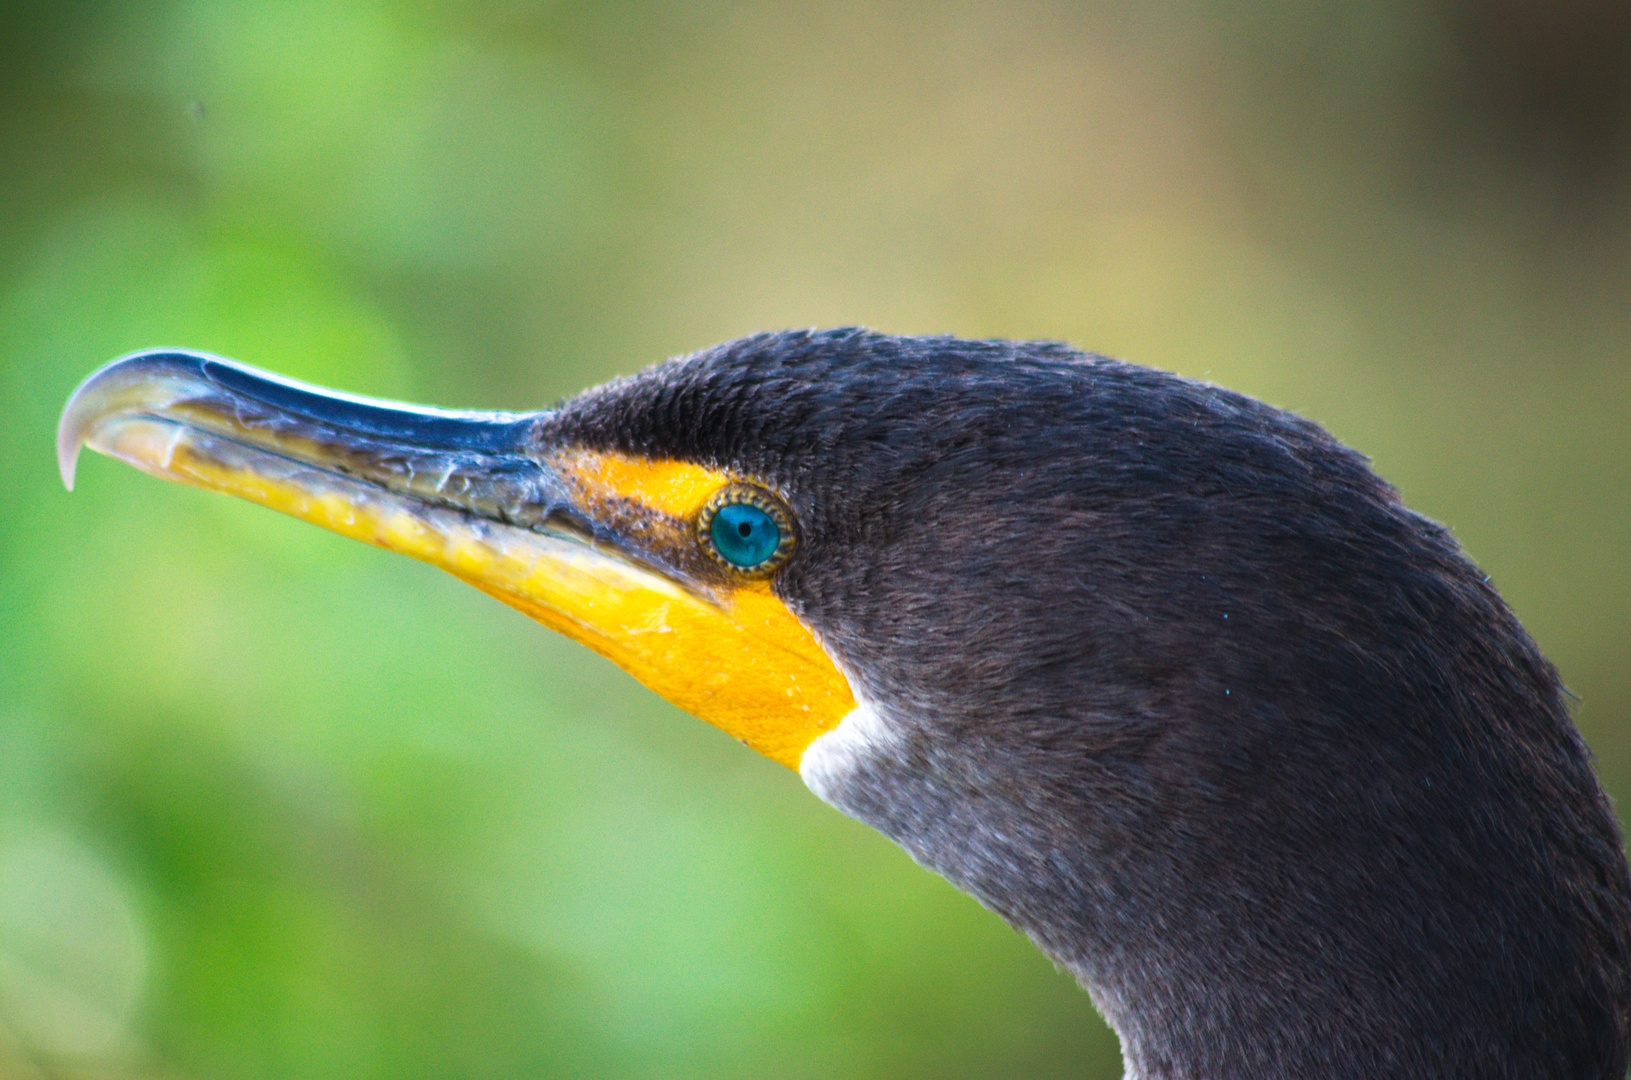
276, 806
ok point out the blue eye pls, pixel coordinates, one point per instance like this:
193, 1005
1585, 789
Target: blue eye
745, 535
746, 528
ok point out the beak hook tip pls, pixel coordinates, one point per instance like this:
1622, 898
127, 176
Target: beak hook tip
70, 438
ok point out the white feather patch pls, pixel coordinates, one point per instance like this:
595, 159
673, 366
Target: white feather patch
863, 735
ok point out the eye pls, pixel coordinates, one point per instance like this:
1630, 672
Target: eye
746, 529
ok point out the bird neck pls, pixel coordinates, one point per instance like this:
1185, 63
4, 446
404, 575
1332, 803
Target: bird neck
1228, 950
1169, 1024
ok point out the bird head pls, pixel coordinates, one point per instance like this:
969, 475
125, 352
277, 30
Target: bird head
1165, 676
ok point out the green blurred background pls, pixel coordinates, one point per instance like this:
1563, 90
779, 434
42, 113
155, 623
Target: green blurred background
273, 804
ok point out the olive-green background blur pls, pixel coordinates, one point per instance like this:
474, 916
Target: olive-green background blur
274, 804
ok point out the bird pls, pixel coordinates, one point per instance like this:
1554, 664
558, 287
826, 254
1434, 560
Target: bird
1164, 676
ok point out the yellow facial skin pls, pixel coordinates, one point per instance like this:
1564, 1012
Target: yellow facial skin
741, 661
731, 654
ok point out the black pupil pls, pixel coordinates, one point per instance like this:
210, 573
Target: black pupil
743, 529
